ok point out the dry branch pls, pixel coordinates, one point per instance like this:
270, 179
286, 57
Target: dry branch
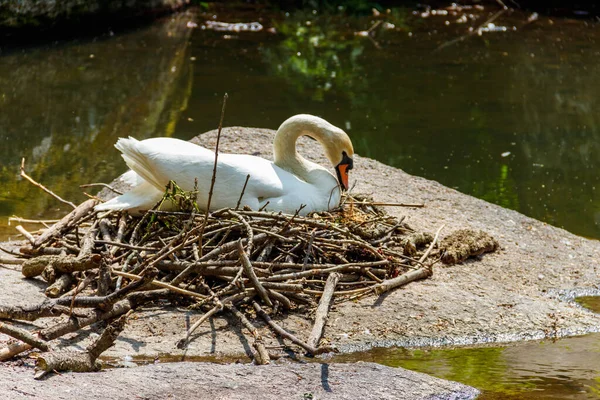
44, 188
252, 276
323, 310
35, 266
82, 361
261, 356
66, 223
285, 334
23, 336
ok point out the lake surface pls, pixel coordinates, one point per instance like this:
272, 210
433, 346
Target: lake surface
511, 117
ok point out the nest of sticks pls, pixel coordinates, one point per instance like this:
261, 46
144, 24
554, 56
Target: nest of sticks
100, 267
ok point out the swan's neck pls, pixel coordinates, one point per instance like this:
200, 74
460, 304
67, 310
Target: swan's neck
286, 156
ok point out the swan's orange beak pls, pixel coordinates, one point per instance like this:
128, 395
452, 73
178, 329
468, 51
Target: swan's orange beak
342, 170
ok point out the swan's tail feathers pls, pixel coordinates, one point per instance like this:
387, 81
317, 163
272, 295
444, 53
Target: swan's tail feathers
137, 160
142, 197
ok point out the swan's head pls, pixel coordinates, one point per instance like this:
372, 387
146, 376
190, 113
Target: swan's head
340, 153
336, 143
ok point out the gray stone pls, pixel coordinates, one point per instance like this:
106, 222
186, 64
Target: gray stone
235, 381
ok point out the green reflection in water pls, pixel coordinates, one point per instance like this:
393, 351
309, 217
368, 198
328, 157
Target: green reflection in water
567, 369
315, 56
591, 302
65, 106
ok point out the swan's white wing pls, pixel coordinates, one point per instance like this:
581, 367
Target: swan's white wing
141, 197
130, 178
157, 161
162, 159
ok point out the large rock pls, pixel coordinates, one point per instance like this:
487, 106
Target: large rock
236, 381
520, 292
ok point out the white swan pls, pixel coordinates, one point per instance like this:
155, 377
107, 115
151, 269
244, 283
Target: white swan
285, 184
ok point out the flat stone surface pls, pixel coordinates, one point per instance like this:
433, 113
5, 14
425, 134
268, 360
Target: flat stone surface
518, 293
234, 381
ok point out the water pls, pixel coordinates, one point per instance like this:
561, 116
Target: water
566, 369
511, 117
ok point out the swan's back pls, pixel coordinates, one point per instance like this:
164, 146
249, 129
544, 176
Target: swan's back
159, 160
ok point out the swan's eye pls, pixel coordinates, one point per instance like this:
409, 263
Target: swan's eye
347, 161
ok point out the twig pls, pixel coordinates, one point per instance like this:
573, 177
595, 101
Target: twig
127, 246
218, 307
72, 325
323, 310
60, 285
432, 244
262, 355
24, 336
67, 222
242, 194
35, 266
27, 235
403, 279
252, 276
82, 361
285, 334
102, 185
160, 284
309, 249
410, 276
44, 188
374, 203
31, 313
249, 231
32, 221
214, 173
319, 271
13, 261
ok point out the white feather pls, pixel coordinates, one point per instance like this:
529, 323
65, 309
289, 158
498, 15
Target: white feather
287, 185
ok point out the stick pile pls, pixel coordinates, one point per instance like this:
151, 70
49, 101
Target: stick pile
103, 267
249, 263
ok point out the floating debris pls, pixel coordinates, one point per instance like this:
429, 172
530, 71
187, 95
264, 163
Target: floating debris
233, 27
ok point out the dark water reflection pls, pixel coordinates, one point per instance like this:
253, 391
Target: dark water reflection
64, 106
510, 117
